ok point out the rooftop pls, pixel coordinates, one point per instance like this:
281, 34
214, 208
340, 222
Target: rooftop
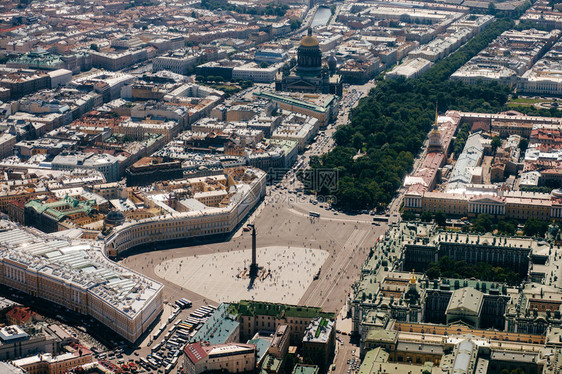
319, 330
255, 308
305, 369
80, 263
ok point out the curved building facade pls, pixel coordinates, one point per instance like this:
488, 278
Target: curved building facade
78, 275
193, 224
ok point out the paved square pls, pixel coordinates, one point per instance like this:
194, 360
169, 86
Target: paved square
215, 275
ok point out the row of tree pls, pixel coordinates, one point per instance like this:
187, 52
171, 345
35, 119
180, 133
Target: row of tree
271, 9
462, 136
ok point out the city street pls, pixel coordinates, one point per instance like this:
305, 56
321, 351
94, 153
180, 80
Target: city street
348, 240
282, 220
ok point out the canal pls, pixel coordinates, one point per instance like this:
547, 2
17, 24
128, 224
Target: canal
321, 17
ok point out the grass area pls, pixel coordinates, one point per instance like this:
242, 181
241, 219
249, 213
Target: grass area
528, 100
228, 89
514, 106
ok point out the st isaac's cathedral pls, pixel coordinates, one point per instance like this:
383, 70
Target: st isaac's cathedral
309, 75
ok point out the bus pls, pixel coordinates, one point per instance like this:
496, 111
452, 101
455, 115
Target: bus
157, 347
144, 362
153, 364
313, 214
380, 219
187, 303
182, 304
185, 326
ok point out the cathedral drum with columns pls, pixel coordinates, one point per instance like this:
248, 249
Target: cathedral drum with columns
309, 55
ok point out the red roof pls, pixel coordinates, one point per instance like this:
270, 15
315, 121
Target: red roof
195, 352
10, 29
20, 314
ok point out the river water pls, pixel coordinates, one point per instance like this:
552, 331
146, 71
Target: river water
321, 17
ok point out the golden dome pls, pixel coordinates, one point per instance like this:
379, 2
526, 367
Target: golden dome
309, 41
413, 278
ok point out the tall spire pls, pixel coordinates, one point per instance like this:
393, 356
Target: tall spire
435, 135
436, 115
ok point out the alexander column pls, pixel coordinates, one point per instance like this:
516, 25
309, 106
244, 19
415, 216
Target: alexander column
254, 266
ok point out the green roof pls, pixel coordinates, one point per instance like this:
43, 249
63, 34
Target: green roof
50, 209
286, 144
255, 308
381, 335
292, 101
37, 59
272, 364
377, 355
466, 283
305, 369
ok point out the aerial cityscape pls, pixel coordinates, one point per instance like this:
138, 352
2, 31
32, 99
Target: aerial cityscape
281, 186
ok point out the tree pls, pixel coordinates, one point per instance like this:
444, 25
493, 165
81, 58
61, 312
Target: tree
94, 47
295, 24
408, 216
496, 142
523, 144
358, 140
507, 227
440, 218
482, 223
492, 8
394, 121
433, 271
535, 227
246, 84
426, 216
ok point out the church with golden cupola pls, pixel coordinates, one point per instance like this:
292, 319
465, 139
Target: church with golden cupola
310, 75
